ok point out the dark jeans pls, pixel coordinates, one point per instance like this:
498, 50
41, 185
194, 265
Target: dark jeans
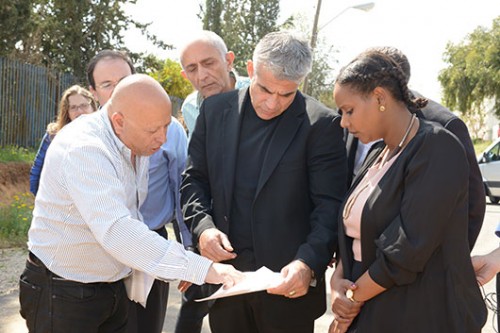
50, 303
151, 318
191, 313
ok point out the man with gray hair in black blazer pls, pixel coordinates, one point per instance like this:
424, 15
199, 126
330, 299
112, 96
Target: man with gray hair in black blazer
265, 178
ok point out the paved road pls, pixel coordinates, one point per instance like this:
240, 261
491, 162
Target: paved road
11, 322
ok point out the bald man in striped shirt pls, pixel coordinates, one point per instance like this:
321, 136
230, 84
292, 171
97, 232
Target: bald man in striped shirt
87, 234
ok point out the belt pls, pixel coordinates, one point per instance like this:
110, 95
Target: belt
34, 260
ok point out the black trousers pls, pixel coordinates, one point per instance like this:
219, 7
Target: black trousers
244, 314
51, 304
151, 318
191, 313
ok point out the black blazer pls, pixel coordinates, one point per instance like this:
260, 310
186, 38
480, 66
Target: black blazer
301, 186
414, 241
477, 197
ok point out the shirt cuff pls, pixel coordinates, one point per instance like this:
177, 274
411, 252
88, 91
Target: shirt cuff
197, 268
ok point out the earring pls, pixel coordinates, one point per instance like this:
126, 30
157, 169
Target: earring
381, 108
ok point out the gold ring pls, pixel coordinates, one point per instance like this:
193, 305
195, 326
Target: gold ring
291, 293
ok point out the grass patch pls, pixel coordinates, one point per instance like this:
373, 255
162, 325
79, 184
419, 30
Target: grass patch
17, 154
15, 220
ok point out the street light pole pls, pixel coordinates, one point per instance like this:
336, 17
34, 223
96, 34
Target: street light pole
364, 7
314, 37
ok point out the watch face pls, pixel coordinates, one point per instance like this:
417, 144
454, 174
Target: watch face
349, 293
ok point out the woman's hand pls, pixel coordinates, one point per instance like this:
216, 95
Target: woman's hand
339, 326
344, 309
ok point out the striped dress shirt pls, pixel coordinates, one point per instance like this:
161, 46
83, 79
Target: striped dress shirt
86, 223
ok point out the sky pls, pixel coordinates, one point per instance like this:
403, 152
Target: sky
420, 28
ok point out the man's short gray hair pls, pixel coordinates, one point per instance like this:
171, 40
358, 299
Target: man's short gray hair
286, 54
208, 37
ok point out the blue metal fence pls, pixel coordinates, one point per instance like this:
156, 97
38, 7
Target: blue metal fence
29, 97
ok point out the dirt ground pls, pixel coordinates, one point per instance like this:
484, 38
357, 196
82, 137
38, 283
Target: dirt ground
14, 179
11, 266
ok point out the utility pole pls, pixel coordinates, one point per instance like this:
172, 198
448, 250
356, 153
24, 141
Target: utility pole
314, 37
364, 7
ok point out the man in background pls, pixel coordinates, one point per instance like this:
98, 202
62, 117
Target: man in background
105, 70
208, 65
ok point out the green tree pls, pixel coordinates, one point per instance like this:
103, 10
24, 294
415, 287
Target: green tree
176, 86
213, 13
65, 35
472, 79
14, 23
241, 24
171, 79
321, 80
148, 64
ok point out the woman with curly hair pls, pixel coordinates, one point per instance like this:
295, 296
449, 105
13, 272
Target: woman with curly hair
74, 102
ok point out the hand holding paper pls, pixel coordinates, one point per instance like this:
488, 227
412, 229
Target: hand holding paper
261, 279
223, 273
297, 277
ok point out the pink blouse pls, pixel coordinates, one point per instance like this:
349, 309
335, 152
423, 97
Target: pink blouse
356, 201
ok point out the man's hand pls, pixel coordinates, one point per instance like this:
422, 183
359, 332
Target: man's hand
215, 245
223, 274
486, 266
183, 286
297, 277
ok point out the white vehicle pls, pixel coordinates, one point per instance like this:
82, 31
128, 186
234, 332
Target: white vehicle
489, 164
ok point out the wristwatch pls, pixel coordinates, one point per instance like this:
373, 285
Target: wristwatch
350, 295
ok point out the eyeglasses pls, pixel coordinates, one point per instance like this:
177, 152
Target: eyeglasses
107, 85
82, 107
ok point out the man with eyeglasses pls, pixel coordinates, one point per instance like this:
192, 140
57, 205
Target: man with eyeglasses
162, 205
105, 70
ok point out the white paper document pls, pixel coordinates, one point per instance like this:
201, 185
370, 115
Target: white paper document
261, 279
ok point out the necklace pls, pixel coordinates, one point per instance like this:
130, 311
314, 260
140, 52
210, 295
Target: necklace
386, 154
